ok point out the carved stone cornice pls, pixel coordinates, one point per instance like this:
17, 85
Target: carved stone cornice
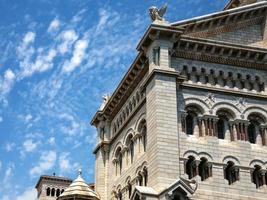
221, 52
222, 18
129, 82
225, 91
155, 31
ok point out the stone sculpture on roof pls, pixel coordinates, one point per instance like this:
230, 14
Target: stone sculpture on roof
157, 14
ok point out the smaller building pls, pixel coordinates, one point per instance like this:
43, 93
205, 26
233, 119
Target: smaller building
50, 187
59, 188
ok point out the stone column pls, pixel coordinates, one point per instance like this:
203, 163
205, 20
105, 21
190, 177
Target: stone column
258, 136
234, 131
206, 126
203, 128
195, 127
263, 134
215, 128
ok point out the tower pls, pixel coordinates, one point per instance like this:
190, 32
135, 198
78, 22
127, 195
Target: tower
50, 187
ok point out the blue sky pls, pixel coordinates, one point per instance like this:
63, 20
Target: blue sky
57, 60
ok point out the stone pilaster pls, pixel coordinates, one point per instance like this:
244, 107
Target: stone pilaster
162, 130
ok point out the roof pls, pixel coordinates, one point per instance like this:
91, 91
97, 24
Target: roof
220, 14
252, 57
80, 188
236, 3
54, 178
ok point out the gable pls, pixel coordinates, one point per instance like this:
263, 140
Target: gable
250, 32
251, 36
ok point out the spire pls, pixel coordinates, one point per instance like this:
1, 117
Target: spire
80, 173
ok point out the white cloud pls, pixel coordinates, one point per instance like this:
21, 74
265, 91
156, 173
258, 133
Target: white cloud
9, 146
28, 194
65, 164
46, 162
53, 25
29, 145
9, 75
28, 117
43, 62
104, 16
77, 57
52, 141
8, 174
29, 38
7, 82
70, 126
68, 37
31, 60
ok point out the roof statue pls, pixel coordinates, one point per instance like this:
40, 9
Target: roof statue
105, 101
157, 14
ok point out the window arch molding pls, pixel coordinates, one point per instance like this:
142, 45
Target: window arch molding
233, 110
256, 162
202, 105
233, 159
254, 129
192, 154
130, 146
118, 145
205, 155
128, 133
139, 120
224, 116
255, 110
191, 118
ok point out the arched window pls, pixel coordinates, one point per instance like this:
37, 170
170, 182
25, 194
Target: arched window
231, 172
145, 173
58, 193
142, 129
48, 191
118, 163
255, 120
144, 137
223, 123
130, 144
257, 176
119, 195
252, 132
221, 128
191, 121
129, 189
204, 169
139, 179
191, 167
53, 192
189, 124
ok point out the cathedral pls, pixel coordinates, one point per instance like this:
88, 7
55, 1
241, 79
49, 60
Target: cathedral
188, 121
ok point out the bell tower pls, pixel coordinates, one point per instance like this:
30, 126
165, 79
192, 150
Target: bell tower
50, 187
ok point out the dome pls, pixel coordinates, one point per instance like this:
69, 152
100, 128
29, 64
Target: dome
79, 189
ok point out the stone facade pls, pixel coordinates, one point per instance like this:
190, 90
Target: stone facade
189, 119
50, 187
